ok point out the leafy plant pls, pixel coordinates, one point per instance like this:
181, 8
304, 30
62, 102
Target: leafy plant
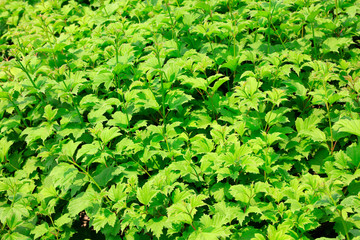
173, 119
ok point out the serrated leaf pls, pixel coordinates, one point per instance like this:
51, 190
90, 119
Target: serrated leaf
117, 192
69, 148
145, 194
197, 200
176, 99
49, 113
349, 126
63, 219
120, 119
90, 149
35, 133
108, 134
156, 225
201, 144
40, 230
83, 201
199, 83
218, 83
14, 236
4, 148
333, 44
277, 116
63, 175
241, 193
105, 216
353, 152
105, 78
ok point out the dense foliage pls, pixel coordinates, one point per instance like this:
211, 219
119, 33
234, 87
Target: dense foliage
180, 119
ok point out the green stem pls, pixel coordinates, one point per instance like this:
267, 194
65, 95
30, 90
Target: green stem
140, 166
163, 93
74, 104
340, 214
233, 22
52, 222
212, 104
269, 27
87, 174
336, 9
156, 163
329, 119
16, 108
267, 126
197, 175
314, 40
117, 51
77, 110
279, 36
30, 78
171, 19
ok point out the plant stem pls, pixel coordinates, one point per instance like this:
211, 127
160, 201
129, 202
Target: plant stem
267, 126
171, 19
197, 175
329, 119
340, 214
279, 36
314, 40
17, 109
269, 27
163, 93
30, 78
87, 174
336, 9
74, 104
141, 166
57, 230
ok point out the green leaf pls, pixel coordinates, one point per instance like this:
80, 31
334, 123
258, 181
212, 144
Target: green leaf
4, 149
156, 225
308, 128
14, 236
69, 148
120, 119
103, 217
251, 163
40, 230
176, 99
105, 175
241, 193
145, 194
349, 126
333, 44
171, 70
277, 116
199, 83
353, 152
63, 220
88, 149
108, 134
197, 201
143, 99
277, 234
63, 175
201, 144
49, 113
83, 201
103, 77
34, 133
218, 83
118, 192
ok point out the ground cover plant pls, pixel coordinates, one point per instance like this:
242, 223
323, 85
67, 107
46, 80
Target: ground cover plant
180, 119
